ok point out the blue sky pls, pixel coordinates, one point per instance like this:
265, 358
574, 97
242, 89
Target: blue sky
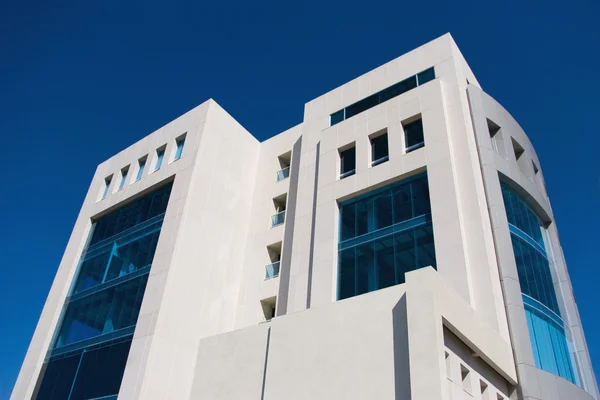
80, 81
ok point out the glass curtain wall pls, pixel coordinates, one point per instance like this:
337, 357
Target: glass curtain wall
88, 356
384, 234
547, 332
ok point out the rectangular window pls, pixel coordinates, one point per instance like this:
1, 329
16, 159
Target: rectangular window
160, 154
413, 135
179, 150
124, 172
347, 162
141, 165
106, 186
382, 96
379, 149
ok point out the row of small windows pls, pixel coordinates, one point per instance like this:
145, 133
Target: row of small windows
141, 166
382, 96
413, 139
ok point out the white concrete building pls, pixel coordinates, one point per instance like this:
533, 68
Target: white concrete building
397, 244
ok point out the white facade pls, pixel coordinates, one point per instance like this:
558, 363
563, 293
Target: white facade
441, 334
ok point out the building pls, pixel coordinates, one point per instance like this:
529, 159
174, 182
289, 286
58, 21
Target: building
399, 243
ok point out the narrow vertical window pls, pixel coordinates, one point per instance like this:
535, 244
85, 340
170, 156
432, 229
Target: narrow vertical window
124, 173
141, 166
160, 154
496, 138
347, 162
179, 150
413, 135
379, 149
106, 186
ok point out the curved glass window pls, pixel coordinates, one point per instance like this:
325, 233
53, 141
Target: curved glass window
546, 328
383, 235
90, 350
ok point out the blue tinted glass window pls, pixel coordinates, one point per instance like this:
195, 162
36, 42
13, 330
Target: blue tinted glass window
379, 149
142, 164
179, 149
413, 134
160, 154
546, 329
347, 162
336, 117
123, 178
382, 237
426, 76
382, 96
106, 186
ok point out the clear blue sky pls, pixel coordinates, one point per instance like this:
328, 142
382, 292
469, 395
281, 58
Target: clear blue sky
80, 81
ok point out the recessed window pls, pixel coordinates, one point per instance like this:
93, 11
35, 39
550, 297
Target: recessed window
272, 269
141, 166
279, 203
413, 135
483, 387
521, 161
160, 154
379, 149
179, 149
496, 138
124, 173
284, 165
268, 307
107, 181
465, 375
347, 161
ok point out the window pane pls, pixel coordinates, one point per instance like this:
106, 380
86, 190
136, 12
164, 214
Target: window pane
336, 117
413, 133
142, 164
382, 208
348, 222
426, 76
366, 280
420, 195
379, 147
348, 160
347, 273
159, 159
405, 258
425, 247
384, 262
402, 203
362, 105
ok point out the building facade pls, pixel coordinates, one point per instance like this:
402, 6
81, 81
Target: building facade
397, 244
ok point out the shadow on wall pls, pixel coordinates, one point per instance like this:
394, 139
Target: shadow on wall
401, 361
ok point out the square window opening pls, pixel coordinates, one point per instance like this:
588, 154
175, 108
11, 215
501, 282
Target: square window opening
347, 160
413, 134
274, 253
379, 148
284, 166
269, 307
279, 204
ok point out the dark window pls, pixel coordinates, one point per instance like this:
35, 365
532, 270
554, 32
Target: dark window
413, 134
382, 96
379, 149
347, 162
426, 76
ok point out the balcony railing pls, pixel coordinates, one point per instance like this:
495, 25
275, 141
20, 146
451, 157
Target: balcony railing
283, 174
278, 219
272, 270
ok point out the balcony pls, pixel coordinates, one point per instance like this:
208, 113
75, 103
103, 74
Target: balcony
277, 219
283, 174
272, 270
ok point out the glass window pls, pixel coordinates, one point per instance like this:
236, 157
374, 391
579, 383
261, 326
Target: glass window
413, 135
336, 117
347, 162
426, 76
141, 166
123, 177
160, 154
382, 96
106, 186
179, 149
382, 237
379, 149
